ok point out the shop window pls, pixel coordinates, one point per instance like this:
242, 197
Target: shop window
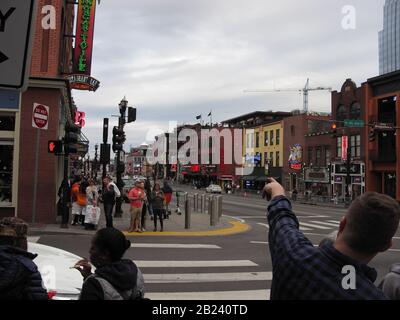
271, 158
318, 157
327, 156
278, 136
309, 156
6, 172
339, 147
7, 122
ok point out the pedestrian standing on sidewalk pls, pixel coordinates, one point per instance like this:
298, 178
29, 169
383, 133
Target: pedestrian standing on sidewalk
64, 204
158, 206
78, 201
92, 199
20, 278
168, 197
147, 187
137, 196
108, 195
115, 278
335, 270
390, 284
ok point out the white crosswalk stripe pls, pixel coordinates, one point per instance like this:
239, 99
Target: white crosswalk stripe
160, 284
316, 226
330, 224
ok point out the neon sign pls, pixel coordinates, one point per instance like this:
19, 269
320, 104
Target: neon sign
84, 36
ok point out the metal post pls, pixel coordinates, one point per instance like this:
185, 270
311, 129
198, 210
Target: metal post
187, 213
213, 211
194, 203
219, 207
203, 203
35, 178
348, 177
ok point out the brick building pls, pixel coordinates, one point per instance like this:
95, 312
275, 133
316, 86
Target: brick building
31, 176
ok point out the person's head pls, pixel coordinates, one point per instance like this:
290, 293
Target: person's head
106, 180
156, 187
14, 231
370, 223
139, 184
91, 182
108, 246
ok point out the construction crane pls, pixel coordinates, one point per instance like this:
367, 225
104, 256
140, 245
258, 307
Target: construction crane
305, 91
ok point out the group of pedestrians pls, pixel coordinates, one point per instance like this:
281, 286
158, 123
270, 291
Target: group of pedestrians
143, 198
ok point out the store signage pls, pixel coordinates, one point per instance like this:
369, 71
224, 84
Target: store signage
338, 179
344, 147
295, 157
83, 82
79, 119
84, 36
316, 175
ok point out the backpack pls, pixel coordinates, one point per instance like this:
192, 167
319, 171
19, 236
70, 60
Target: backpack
111, 293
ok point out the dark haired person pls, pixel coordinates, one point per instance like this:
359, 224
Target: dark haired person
390, 284
301, 271
115, 278
158, 205
19, 275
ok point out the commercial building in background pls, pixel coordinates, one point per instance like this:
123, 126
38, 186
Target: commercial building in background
382, 96
348, 112
389, 38
136, 163
306, 153
262, 146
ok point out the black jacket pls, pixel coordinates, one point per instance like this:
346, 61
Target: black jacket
122, 275
109, 196
19, 276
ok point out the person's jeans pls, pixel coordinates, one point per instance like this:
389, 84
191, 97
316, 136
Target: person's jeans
108, 210
158, 213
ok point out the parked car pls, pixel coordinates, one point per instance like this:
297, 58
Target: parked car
213, 188
62, 282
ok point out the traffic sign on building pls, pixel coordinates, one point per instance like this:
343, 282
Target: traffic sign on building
40, 116
17, 18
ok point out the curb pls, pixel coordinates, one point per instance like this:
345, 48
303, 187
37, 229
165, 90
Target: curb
235, 228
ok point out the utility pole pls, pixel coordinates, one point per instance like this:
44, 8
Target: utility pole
348, 177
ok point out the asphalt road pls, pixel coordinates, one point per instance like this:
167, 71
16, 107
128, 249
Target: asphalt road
220, 267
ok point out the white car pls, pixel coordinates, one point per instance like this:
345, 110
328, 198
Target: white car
213, 188
62, 282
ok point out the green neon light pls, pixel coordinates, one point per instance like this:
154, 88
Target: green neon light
85, 25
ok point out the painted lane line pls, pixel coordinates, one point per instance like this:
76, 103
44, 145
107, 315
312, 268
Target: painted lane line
207, 277
195, 264
174, 245
334, 221
263, 294
306, 217
314, 226
263, 225
301, 228
331, 224
259, 242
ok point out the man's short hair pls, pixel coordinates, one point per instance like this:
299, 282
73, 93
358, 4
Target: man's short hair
372, 221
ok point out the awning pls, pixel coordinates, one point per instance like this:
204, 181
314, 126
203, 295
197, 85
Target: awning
248, 178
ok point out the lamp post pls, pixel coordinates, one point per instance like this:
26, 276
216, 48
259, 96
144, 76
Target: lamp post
122, 110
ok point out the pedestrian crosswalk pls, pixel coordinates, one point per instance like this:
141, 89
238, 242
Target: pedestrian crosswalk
309, 225
201, 279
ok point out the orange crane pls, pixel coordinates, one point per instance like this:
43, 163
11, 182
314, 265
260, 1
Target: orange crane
304, 90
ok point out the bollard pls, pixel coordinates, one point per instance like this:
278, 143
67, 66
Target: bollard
198, 203
187, 213
219, 207
214, 211
203, 203
194, 202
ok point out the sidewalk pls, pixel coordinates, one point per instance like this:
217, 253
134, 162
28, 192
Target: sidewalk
174, 226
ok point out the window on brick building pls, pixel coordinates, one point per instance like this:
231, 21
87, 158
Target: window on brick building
339, 147
266, 138
271, 137
355, 146
341, 113
355, 111
278, 136
257, 139
277, 157
318, 157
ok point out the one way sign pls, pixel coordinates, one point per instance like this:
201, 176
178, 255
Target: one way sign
17, 20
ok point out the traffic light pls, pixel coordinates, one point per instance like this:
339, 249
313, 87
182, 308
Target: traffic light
334, 130
71, 139
131, 114
118, 139
372, 134
54, 146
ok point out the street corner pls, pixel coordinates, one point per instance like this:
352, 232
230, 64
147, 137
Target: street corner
234, 227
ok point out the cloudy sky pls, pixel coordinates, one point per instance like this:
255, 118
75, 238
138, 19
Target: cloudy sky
175, 59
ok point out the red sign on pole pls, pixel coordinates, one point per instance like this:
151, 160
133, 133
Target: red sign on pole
40, 116
79, 119
344, 147
84, 36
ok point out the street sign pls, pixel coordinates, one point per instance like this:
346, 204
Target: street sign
17, 19
40, 116
353, 123
383, 126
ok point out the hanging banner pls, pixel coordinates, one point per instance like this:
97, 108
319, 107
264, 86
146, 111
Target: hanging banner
344, 147
84, 37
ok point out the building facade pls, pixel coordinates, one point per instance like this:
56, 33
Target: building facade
389, 38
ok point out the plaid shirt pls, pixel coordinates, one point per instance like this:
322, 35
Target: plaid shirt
302, 271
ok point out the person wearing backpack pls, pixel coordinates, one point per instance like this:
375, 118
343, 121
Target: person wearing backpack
115, 278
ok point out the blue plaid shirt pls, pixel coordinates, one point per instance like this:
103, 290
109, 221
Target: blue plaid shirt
302, 271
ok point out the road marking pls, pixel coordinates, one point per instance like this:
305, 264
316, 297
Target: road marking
311, 217
394, 250
207, 277
334, 221
314, 226
263, 224
259, 242
252, 217
267, 226
331, 224
263, 294
33, 239
194, 264
174, 245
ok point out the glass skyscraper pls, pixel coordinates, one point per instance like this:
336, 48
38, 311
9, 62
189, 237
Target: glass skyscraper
389, 38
